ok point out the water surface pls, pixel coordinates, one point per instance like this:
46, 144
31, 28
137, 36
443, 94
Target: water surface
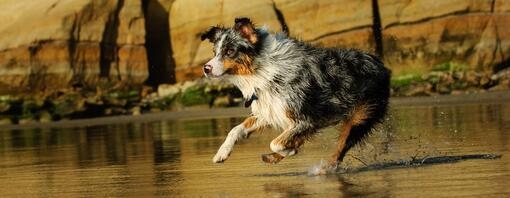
173, 158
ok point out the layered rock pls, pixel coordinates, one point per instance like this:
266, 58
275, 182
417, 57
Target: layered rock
330, 23
82, 42
69, 42
419, 34
416, 35
132, 63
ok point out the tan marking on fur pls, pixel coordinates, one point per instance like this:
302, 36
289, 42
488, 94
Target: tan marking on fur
244, 68
249, 33
344, 134
288, 141
358, 115
249, 122
272, 158
290, 115
281, 140
296, 142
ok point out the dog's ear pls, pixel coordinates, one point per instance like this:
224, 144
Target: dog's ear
246, 28
211, 34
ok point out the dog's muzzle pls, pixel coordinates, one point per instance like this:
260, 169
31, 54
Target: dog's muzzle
207, 69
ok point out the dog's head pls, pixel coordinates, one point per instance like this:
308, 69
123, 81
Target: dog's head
234, 49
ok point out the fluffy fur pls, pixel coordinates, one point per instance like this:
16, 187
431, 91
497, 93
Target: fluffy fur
297, 88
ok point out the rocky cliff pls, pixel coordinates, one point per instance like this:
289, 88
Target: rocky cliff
48, 44
413, 36
419, 34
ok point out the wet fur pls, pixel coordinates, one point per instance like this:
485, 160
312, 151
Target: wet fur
299, 88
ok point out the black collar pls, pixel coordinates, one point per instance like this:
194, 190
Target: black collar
248, 102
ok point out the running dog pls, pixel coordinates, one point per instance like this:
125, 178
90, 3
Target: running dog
297, 88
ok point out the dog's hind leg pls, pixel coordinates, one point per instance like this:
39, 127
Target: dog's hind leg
287, 143
241, 131
352, 131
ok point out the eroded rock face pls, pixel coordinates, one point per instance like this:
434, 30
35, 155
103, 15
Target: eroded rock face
70, 42
131, 62
397, 12
329, 23
420, 34
81, 42
416, 34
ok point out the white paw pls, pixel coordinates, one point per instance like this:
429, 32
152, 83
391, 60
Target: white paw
222, 154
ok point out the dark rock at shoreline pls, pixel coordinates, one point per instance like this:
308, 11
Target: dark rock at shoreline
121, 100
450, 82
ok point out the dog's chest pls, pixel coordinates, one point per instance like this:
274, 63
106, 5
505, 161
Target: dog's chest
271, 109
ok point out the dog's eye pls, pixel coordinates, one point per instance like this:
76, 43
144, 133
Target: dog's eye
230, 52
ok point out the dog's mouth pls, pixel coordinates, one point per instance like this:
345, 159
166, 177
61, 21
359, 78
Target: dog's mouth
228, 71
212, 75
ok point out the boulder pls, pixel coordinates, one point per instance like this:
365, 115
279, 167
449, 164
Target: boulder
167, 90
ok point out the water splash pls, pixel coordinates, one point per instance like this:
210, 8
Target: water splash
325, 168
318, 169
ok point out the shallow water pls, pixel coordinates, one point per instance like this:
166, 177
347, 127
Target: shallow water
173, 158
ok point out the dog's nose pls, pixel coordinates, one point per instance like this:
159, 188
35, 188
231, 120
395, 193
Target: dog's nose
207, 69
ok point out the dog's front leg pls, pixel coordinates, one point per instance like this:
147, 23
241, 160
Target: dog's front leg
241, 131
287, 143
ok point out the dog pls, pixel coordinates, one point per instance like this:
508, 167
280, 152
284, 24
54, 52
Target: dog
298, 88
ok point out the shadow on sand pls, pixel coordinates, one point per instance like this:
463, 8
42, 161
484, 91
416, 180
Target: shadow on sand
416, 162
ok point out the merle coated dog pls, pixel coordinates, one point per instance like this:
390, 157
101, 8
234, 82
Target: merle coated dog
297, 88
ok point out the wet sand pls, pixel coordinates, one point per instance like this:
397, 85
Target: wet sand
456, 146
